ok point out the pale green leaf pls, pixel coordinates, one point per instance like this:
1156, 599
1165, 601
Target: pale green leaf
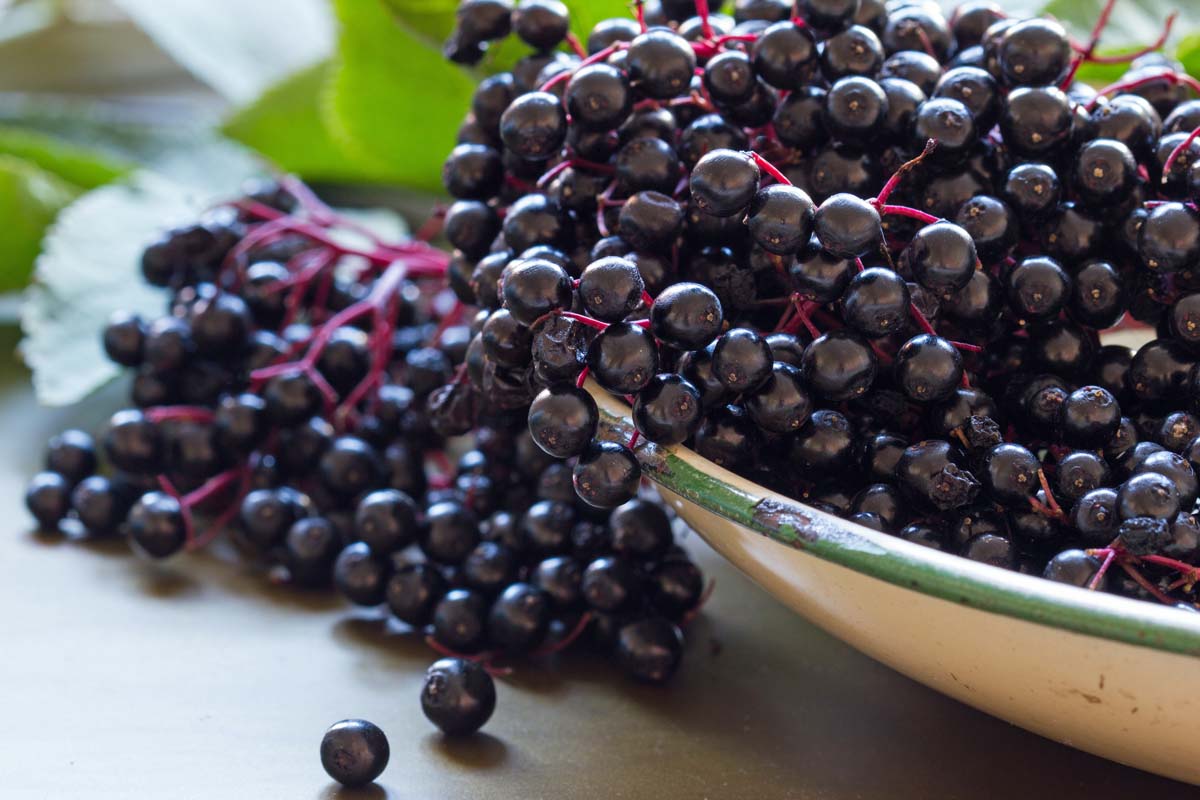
82, 166
30, 197
180, 147
89, 268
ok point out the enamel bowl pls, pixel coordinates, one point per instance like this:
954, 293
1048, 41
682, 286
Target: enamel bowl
1110, 675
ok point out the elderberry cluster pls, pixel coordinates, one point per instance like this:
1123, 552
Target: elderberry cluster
858, 252
311, 402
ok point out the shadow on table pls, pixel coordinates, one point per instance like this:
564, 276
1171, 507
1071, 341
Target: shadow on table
372, 791
481, 751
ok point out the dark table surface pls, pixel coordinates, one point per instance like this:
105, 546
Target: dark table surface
198, 679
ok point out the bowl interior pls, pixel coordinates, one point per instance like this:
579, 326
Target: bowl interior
895, 560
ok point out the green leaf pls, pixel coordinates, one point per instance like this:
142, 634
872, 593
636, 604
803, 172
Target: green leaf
1189, 54
432, 20
395, 100
1133, 22
81, 166
286, 125
237, 47
180, 147
30, 197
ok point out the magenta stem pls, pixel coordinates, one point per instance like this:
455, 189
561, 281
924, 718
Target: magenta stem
585, 320
1178, 151
181, 413
912, 213
769, 168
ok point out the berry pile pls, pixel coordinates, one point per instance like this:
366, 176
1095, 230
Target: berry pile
854, 251
312, 401
859, 253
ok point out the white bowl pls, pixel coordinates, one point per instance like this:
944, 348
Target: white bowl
1109, 675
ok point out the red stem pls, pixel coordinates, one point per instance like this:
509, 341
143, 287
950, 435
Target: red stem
884, 193
769, 168
1145, 584
182, 413
702, 12
912, 213
1124, 58
1109, 556
1178, 151
1126, 84
585, 320
585, 619
576, 45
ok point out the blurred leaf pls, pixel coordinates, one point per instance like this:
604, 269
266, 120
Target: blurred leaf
88, 268
238, 47
286, 125
30, 197
1189, 54
81, 166
90, 260
430, 19
1099, 75
395, 100
586, 13
174, 145
1133, 22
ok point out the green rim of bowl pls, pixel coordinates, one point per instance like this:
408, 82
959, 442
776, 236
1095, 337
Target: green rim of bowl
896, 561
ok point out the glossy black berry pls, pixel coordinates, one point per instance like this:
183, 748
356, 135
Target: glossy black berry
611, 585
927, 368
667, 410
534, 126
928, 471
360, 575
839, 365
519, 618
48, 498
563, 420
413, 592
458, 696
847, 226
124, 338
450, 532
661, 63
611, 288
156, 525
686, 315
100, 504
785, 55
741, 360
535, 287
1034, 52
724, 182
650, 650
941, 257
354, 752
780, 218
1148, 494
623, 358
606, 475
